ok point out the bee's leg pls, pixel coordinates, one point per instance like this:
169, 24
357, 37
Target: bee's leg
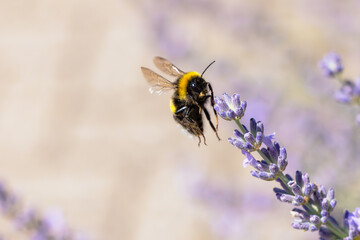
194, 127
187, 112
211, 124
204, 138
200, 139
212, 104
200, 108
195, 103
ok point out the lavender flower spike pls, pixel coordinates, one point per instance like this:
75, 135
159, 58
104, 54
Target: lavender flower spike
314, 203
230, 108
331, 64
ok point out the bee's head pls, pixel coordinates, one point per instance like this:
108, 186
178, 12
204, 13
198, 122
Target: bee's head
198, 87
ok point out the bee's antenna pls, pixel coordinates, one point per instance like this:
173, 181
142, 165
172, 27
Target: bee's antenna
207, 68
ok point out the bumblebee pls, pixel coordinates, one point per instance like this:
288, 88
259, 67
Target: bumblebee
191, 92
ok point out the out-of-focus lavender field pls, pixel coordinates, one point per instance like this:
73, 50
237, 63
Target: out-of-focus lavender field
81, 136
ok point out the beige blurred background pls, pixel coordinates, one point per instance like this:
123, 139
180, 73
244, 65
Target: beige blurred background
80, 132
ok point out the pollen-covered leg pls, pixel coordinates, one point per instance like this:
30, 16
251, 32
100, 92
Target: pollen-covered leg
212, 105
211, 124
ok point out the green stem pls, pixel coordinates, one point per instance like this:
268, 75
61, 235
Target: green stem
284, 179
336, 230
243, 130
266, 159
314, 210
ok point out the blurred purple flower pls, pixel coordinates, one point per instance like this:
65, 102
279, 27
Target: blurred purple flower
331, 64
51, 226
8, 201
344, 94
349, 92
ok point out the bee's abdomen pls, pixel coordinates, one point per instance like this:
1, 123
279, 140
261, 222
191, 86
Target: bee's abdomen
173, 107
189, 118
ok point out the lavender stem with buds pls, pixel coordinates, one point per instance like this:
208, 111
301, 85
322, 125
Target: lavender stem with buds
317, 203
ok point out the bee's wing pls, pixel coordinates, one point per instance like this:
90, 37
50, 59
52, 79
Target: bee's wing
167, 67
158, 83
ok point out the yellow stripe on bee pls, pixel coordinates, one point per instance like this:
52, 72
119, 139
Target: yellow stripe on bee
172, 106
183, 83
